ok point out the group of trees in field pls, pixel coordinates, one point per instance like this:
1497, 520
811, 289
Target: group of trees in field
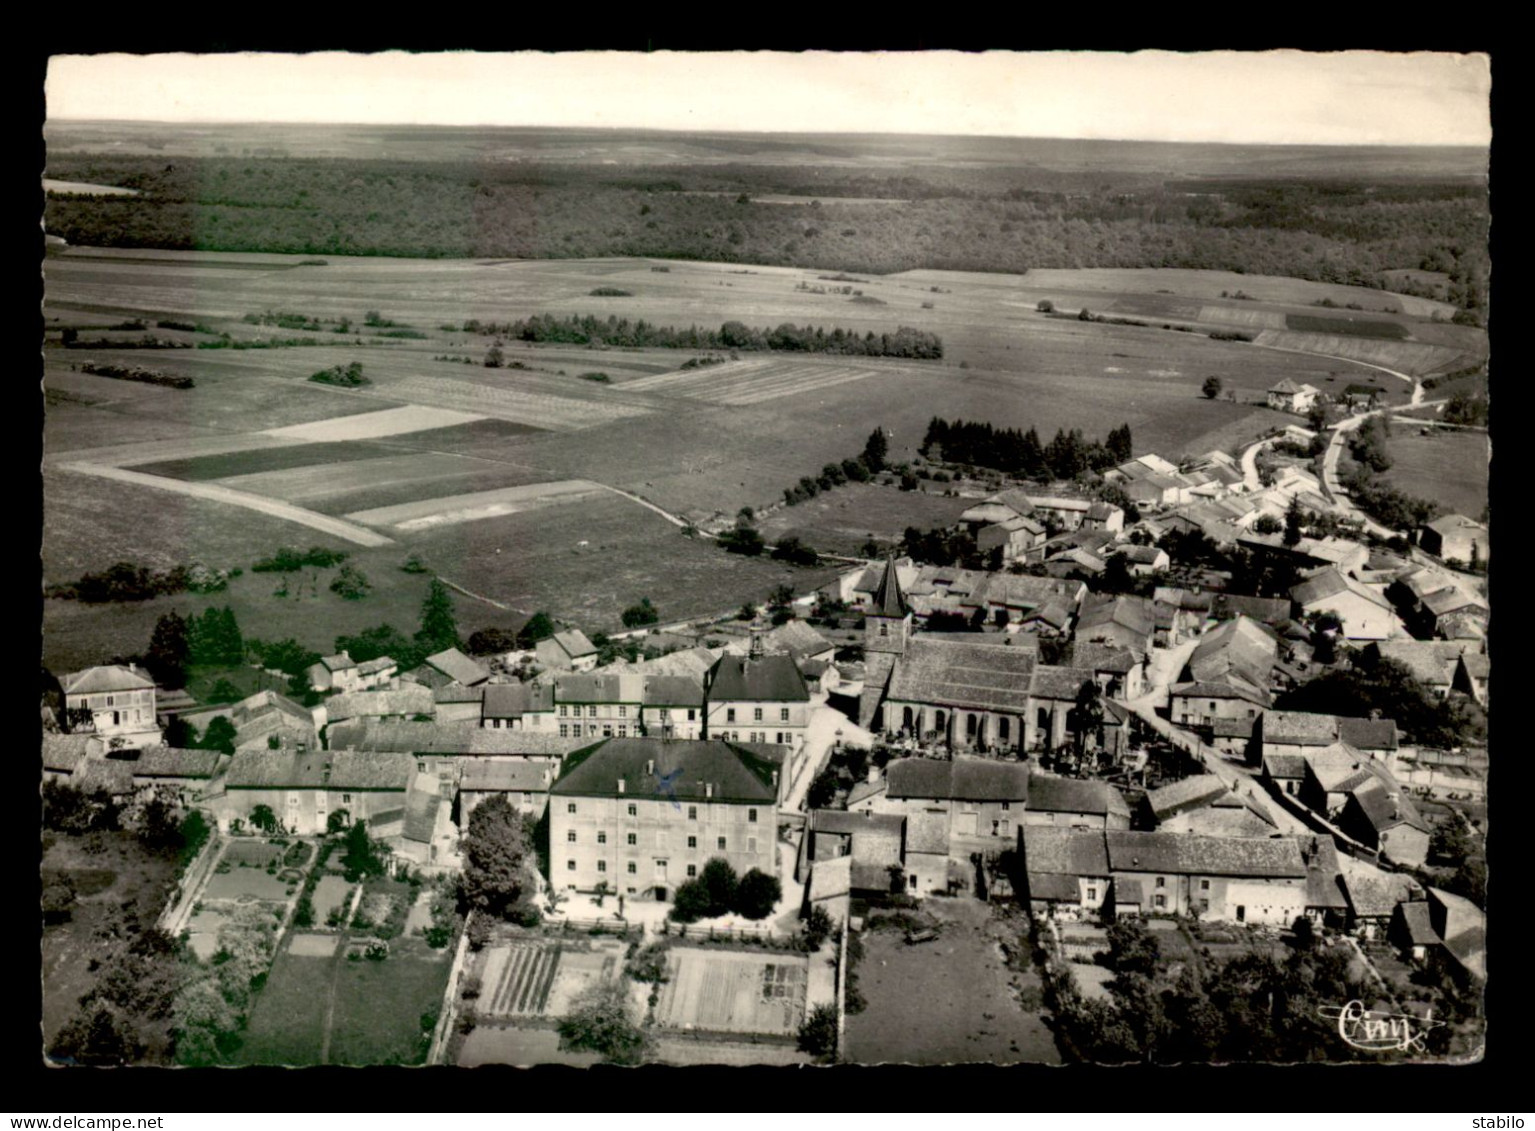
857, 469
1358, 230
719, 891
1008, 450
588, 329
127, 581
1386, 504
348, 376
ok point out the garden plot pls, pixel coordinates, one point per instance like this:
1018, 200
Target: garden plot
733, 992
330, 895
541, 410
429, 513
245, 884
372, 425
753, 381
313, 946
518, 979
580, 968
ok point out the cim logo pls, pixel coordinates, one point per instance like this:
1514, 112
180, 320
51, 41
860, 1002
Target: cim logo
1376, 1031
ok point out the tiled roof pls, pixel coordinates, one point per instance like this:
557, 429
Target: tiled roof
766, 679
831, 879
1265, 609
319, 769
1368, 734
1071, 852
681, 770
673, 691
112, 677
513, 700
525, 775
175, 762
1455, 524
373, 667
1240, 647
1226, 689
1073, 795
109, 774
960, 673
412, 699
575, 643
796, 638
1432, 661
864, 789
1419, 925
844, 823
1374, 799
1284, 386
1190, 793
458, 667
1232, 728
1477, 665
927, 834
421, 815
263, 703
1133, 613
1023, 591
1283, 767
1184, 854
458, 693
599, 687
1100, 657
1328, 583
1372, 892
62, 753
1055, 887
963, 779
339, 662
1299, 728
1061, 683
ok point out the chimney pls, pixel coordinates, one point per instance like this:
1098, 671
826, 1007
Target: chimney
1396, 805
873, 774
620, 785
650, 767
775, 779
709, 789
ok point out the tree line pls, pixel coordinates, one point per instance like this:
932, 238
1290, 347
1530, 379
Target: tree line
1008, 450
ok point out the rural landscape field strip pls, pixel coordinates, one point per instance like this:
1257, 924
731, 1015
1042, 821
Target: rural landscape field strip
219, 494
1417, 358
541, 410
752, 382
373, 425
324, 480
480, 504
182, 448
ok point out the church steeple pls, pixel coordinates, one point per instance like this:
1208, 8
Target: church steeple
888, 621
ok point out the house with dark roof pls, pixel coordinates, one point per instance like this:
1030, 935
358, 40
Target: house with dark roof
1125, 622
405, 702
1074, 803
1307, 733
1381, 815
1120, 672
1287, 396
642, 815
333, 673
757, 698
524, 782
449, 666
1455, 536
872, 840
120, 700
1068, 870
965, 690
1373, 893
1471, 672
456, 703
598, 704
673, 706
63, 754
1245, 880
1444, 930
1233, 813
979, 802
175, 773
518, 706
568, 650
305, 788
1193, 792
1433, 662
1363, 610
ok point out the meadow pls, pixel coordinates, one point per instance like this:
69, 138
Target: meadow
699, 443
1447, 466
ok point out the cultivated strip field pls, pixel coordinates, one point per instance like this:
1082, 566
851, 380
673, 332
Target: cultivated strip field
480, 505
213, 491
541, 410
324, 480
754, 381
372, 425
733, 992
1409, 357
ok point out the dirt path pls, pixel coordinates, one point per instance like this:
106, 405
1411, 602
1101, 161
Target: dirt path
330, 1003
218, 494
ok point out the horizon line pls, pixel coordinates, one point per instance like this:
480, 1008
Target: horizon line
763, 132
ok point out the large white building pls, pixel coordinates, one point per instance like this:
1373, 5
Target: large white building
121, 702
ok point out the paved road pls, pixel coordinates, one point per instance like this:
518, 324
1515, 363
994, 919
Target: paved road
1330, 468
214, 492
1250, 465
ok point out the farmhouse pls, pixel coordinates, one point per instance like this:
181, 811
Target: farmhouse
977, 802
175, 773
1229, 814
517, 706
673, 707
1456, 537
569, 650
1246, 880
1120, 673
341, 673
1445, 930
1435, 603
1433, 662
1125, 622
449, 666
525, 784
595, 704
1143, 561
875, 843
1364, 612
1074, 803
642, 815
407, 701
1068, 870
455, 703
119, 700
262, 718
1287, 396
63, 754
1471, 675
303, 788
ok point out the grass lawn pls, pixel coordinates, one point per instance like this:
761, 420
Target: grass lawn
1447, 466
839, 521
944, 1002
380, 1005
287, 1024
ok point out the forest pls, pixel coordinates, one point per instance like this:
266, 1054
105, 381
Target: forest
996, 219
1008, 450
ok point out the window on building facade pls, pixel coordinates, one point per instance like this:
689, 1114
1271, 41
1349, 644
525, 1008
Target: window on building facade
783, 714
1092, 893
591, 712
571, 836
1159, 901
602, 865
633, 810
692, 870
570, 865
632, 839
564, 730
692, 842
631, 870
730, 714
691, 717
570, 807
692, 812
756, 714
751, 814
1161, 882
623, 731
346, 799
623, 712
722, 844
602, 838
1204, 885
563, 712
420, 767
575, 730
1004, 806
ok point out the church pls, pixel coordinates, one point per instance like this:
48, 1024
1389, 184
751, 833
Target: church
962, 690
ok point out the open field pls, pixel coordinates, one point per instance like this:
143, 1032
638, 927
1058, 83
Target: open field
721, 991
944, 1002
1448, 466
430, 513
700, 443
839, 521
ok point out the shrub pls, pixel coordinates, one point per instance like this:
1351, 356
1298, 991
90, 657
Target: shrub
818, 1032
610, 292
346, 376
757, 894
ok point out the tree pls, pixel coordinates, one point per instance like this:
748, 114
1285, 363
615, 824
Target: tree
742, 540
58, 898
690, 902
539, 627
1303, 933
1132, 948
439, 628
818, 927
363, 856
643, 613
220, 735
1211, 388
1045, 306
1267, 524
1087, 714
757, 894
601, 1021
719, 880
492, 642
264, 819
224, 692
1294, 522
494, 358
875, 449
350, 583
823, 790
338, 820
98, 1037
498, 856
180, 734
818, 1032
169, 649
1451, 841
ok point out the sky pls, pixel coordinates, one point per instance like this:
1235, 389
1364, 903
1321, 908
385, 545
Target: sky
1277, 97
